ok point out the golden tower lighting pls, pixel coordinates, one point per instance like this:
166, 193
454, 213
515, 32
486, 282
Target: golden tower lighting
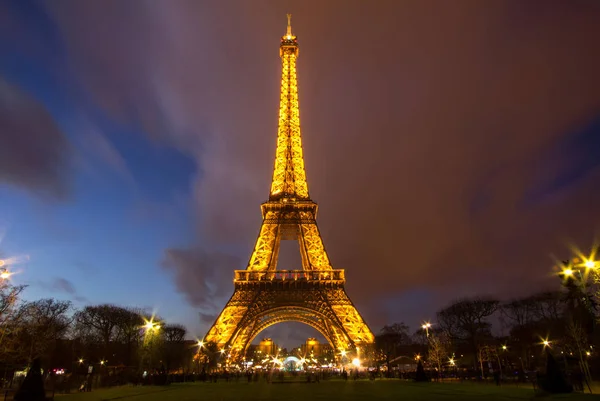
315, 294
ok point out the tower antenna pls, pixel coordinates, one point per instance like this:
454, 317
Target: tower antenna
289, 27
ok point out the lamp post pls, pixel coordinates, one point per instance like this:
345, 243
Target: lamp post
150, 329
575, 275
426, 326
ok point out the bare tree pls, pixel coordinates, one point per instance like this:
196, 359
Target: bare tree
129, 329
438, 351
174, 333
520, 312
174, 336
550, 305
9, 295
98, 324
10, 348
42, 322
390, 340
466, 320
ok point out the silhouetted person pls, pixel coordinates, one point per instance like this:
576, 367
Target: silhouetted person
32, 388
420, 374
554, 381
497, 377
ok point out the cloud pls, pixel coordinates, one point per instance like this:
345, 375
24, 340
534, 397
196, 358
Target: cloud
34, 153
207, 318
425, 130
199, 275
61, 285
94, 145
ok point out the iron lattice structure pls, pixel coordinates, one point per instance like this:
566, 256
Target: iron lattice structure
263, 295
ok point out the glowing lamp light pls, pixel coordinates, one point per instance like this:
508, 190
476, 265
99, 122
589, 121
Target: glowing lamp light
546, 343
451, 360
200, 344
504, 347
568, 272
150, 325
590, 264
5, 275
356, 362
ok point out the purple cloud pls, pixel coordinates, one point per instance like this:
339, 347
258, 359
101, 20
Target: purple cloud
34, 153
200, 276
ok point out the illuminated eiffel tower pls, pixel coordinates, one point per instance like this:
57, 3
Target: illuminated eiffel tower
265, 296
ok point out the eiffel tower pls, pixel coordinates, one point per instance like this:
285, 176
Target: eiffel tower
263, 295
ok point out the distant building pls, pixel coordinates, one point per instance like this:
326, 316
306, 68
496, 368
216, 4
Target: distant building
313, 347
267, 347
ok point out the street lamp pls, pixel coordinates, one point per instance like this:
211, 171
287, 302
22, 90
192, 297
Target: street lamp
151, 326
426, 327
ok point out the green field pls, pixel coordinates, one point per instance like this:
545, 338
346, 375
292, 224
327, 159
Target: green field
330, 390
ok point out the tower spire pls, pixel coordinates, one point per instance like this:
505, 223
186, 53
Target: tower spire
289, 177
289, 27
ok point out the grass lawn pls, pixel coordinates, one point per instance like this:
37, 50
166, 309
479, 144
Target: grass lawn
331, 390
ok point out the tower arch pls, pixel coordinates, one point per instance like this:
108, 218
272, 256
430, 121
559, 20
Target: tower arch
288, 314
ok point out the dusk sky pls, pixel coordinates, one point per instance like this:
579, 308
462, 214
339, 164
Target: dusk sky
453, 147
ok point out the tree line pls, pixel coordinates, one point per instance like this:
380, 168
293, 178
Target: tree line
485, 334
95, 335
477, 333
